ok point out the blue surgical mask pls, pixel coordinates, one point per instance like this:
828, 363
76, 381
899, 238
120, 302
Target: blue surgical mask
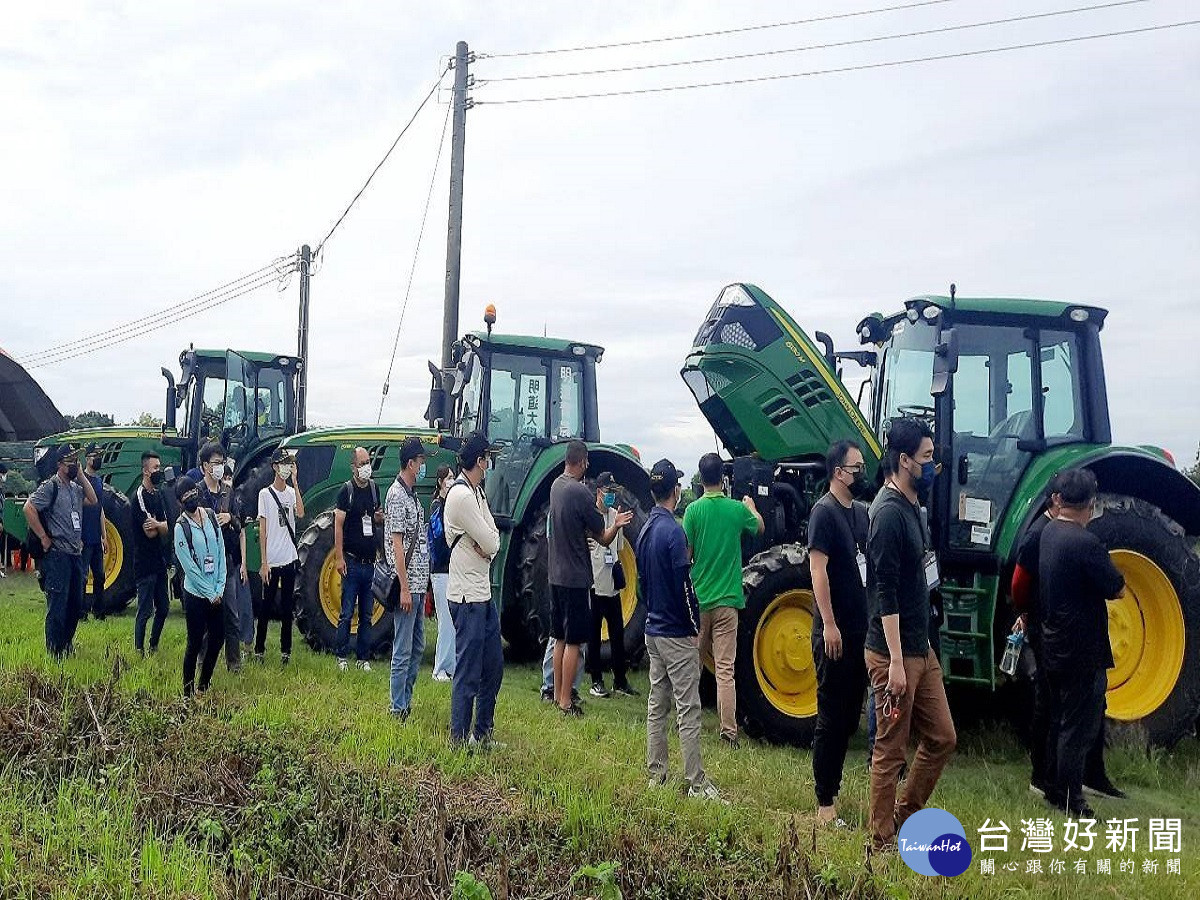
421, 472
928, 474
610, 500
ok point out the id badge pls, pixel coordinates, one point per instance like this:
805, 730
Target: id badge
610, 558
210, 565
932, 577
861, 559
368, 528
75, 521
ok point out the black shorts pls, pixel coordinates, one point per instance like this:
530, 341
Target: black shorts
570, 614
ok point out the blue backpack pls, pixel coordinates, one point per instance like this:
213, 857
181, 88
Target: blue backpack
439, 550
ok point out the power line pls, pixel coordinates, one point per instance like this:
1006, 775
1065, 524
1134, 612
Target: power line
842, 69
387, 380
826, 46
280, 267
120, 336
367, 183
705, 34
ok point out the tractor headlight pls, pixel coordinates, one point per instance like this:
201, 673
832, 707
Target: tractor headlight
930, 313
1078, 315
912, 315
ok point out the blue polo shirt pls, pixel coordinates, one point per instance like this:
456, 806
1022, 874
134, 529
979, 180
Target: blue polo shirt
91, 514
663, 571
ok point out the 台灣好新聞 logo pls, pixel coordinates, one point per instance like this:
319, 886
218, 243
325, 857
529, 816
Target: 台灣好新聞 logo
933, 842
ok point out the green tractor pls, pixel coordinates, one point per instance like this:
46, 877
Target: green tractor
530, 395
245, 400
1015, 392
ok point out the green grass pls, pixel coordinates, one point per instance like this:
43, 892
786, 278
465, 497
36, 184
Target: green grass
279, 770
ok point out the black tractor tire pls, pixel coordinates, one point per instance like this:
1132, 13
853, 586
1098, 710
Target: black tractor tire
529, 619
118, 590
769, 575
1134, 525
316, 623
245, 494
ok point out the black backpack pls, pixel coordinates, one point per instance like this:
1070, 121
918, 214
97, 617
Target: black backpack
33, 544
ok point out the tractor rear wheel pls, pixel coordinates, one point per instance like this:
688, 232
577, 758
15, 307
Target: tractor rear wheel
319, 595
776, 677
1154, 628
119, 582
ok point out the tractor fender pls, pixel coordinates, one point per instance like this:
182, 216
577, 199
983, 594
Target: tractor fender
1146, 477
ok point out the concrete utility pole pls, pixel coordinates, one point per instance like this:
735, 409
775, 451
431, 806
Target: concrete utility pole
302, 338
458, 141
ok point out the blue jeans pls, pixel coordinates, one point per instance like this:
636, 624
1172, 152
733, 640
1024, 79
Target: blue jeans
443, 654
62, 579
548, 666
92, 560
151, 600
478, 669
408, 643
356, 584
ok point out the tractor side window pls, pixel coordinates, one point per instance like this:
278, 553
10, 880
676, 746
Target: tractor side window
213, 411
468, 420
270, 403
1062, 402
971, 396
566, 414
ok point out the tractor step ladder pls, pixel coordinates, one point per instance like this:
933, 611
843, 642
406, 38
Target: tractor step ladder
967, 653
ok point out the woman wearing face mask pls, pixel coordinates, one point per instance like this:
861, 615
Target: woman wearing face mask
200, 553
439, 576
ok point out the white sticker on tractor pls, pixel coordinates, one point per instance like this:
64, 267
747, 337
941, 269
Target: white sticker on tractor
973, 509
981, 535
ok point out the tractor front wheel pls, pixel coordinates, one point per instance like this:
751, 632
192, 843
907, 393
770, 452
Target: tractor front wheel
319, 595
119, 582
775, 674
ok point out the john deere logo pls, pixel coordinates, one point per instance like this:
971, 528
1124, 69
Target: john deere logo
933, 842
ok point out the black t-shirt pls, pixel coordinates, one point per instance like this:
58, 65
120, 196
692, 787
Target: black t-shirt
149, 553
363, 501
1076, 576
1029, 558
896, 583
573, 516
222, 502
841, 534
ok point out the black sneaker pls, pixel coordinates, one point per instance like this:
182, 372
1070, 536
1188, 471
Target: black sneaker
400, 715
285, 658
575, 698
731, 742
574, 711
547, 695
598, 689
1107, 789
627, 689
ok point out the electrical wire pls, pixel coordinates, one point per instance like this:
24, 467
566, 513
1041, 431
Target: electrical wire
842, 69
706, 34
367, 183
114, 337
826, 46
280, 267
387, 380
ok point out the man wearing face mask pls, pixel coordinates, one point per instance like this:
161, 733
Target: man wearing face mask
217, 495
149, 514
279, 505
606, 598
54, 513
95, 540
837, 561
356, 520
904, 670
408, 557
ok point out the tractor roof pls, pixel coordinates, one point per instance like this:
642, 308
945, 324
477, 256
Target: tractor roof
540, 344
876, 327
252, 355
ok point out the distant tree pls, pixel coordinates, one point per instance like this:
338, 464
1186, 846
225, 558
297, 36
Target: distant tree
90, 419
690, 493
146, 420
1193, 472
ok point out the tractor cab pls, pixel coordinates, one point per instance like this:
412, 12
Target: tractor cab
244, 400
525, 393
1000, 382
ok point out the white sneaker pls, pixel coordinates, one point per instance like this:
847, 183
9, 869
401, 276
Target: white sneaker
708, 792
442, 676
365, 666
342, 665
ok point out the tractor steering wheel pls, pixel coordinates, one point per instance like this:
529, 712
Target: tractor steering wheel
916, 412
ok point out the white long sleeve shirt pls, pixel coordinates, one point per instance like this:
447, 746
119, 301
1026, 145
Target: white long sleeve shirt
466, 513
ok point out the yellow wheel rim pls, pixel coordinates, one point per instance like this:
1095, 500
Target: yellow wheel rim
114, 558
629, 596
330, 589
1147, 634
783, 659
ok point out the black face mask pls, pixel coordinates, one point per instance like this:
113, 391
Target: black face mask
859, 486
73, 471
156, 477
191, 503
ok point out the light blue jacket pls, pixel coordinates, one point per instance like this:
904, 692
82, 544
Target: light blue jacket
206, 542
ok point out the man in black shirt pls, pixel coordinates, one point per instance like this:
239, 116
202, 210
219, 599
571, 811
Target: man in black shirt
904, 670
573, 519
357, 518
149, 515
837, 543
1076, 578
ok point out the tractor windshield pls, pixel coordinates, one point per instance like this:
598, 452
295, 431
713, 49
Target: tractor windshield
906, 373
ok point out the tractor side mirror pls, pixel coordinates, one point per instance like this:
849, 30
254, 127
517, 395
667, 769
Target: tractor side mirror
945, 362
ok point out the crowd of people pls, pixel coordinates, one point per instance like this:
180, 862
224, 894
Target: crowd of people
873, 570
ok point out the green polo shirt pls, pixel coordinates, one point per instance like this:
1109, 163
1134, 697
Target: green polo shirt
714, 525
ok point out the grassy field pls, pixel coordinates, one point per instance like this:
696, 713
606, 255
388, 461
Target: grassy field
297, 783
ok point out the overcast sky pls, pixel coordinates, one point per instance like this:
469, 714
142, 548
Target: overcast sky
155, 151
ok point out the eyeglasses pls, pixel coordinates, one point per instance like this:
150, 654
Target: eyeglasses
855, 469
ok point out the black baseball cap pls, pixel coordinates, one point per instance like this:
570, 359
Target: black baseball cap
411, 449
66, 453
92, 449
664, 475
476, 446
282, 456
606, 481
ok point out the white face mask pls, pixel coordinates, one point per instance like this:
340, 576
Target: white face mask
364, 472
218, 471
285, 472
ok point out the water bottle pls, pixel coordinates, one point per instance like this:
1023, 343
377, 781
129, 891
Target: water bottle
1012, 653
